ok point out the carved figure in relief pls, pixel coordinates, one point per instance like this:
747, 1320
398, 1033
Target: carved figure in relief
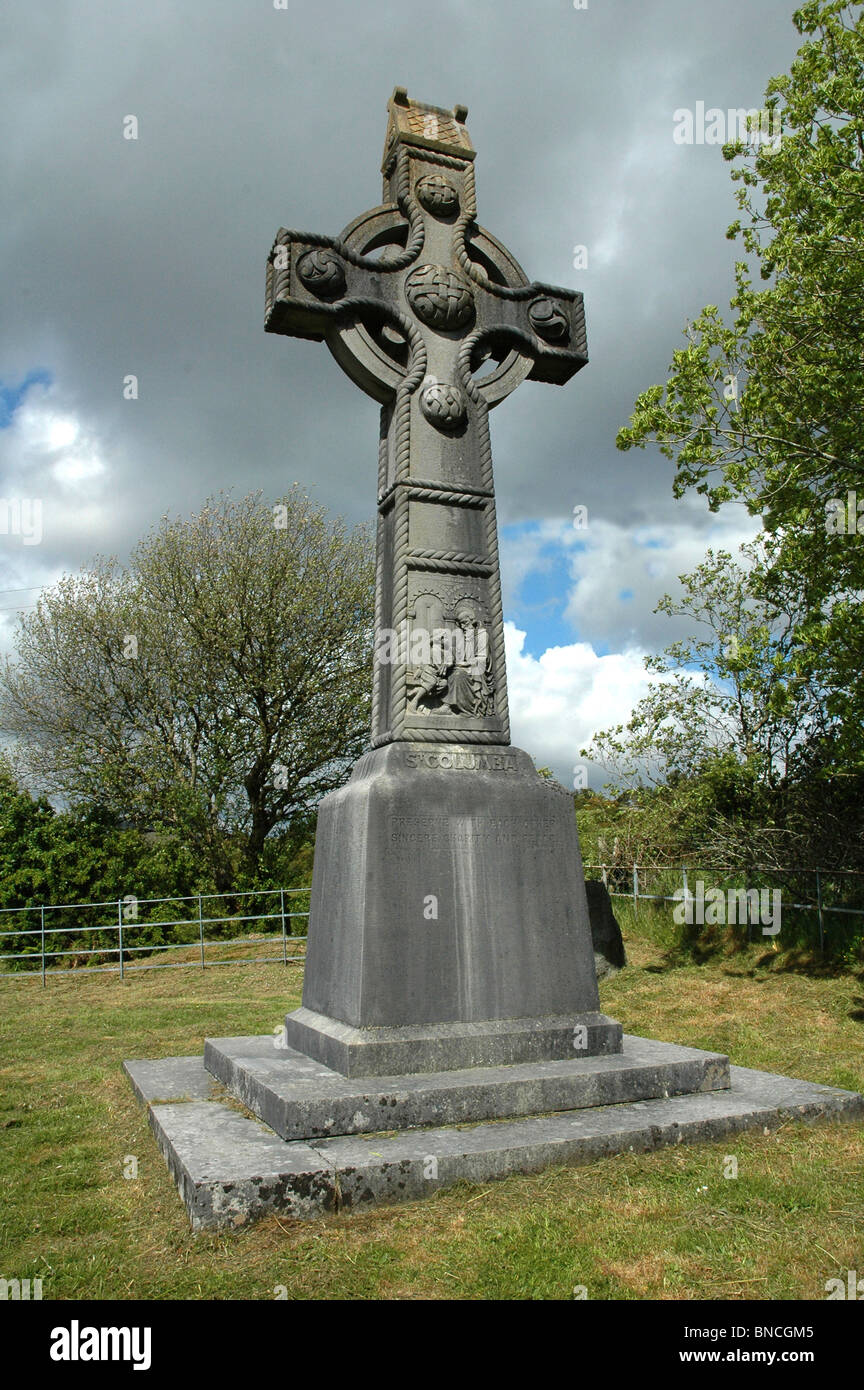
457, 676
469, 686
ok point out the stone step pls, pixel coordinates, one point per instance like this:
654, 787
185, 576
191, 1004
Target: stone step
302, 1099
231, 1169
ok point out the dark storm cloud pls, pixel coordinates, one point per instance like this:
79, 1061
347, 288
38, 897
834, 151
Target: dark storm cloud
147, 256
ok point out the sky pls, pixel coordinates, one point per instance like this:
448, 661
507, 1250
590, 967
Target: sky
146, 257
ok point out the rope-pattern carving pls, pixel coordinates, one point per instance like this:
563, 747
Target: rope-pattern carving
399, 679
473, 271
447, 161
484, 445
436, 566
401, 443
447, 499
414, 734
358, 307
499, 663
402, 412
285, 236
402, 437
526, 342
377, 673
406, 204
460, 248
447, 556
420, 487
383, 451
481, 418
463, 366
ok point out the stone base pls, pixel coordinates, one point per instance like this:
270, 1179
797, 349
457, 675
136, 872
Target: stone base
301, 1099
445, 1046
448, 903
231, 1169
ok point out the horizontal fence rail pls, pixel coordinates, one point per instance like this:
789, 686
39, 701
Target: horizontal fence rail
113, 946
625, 880
43, 945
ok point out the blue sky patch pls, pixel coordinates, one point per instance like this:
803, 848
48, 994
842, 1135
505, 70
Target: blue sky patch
11, 397
538, 606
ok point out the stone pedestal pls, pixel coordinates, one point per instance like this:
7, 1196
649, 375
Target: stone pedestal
448, 924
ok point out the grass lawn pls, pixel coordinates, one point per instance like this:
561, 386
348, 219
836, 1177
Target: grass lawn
667, 1225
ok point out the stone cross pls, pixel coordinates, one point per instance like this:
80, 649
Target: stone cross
431, 316
448, 924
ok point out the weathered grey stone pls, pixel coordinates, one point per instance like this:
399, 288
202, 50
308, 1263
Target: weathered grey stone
609, 955
382, 1169
229, 1169
170, 1078
437, 1047
448, 907
301, 1099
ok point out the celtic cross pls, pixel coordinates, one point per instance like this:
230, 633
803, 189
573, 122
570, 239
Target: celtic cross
431, 316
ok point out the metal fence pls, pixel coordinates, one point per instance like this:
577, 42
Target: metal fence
628, 880
39, 947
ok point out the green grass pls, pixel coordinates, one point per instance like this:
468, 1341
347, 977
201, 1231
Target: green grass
664, 1225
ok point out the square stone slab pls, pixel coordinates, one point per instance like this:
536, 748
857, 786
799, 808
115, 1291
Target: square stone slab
230, 1169
300, 1098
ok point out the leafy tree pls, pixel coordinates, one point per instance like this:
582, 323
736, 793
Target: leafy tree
727, 694
217, 687
55, 858
767, 409
718, 757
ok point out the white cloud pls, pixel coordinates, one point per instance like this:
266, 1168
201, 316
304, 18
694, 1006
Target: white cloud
559, 700
77, 468
608, 559
51, 455
63, 431
45, 442
53, 470
645, 563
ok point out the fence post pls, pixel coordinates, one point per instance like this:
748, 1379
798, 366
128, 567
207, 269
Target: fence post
201, 930
821, 915
120, 932
636, 889
42, 926
284, 942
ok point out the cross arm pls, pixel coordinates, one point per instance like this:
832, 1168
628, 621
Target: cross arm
314, 281
543, 322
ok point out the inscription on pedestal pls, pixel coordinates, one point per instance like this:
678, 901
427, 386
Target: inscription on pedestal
438, 832
462, 762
